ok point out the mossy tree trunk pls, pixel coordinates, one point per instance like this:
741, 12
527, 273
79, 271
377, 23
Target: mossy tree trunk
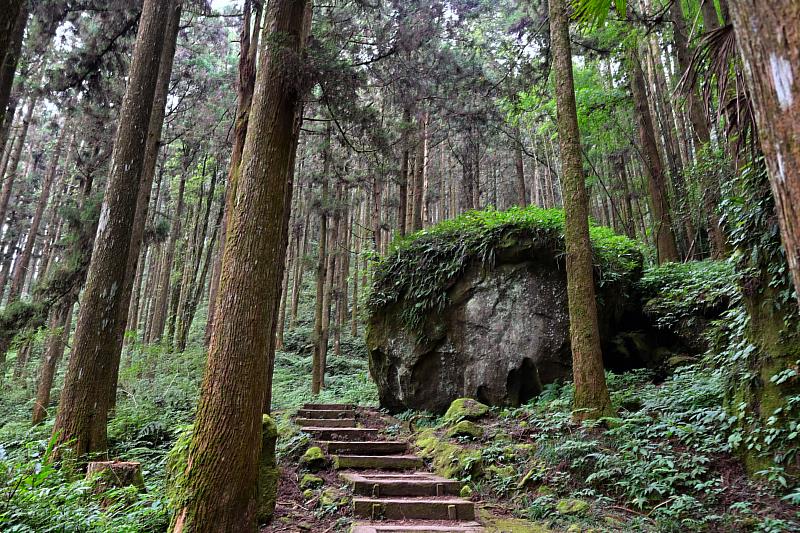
220, 491
248, 42
591, 394
83, 409
769, 43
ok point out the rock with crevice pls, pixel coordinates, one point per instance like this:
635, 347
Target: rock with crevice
502, 335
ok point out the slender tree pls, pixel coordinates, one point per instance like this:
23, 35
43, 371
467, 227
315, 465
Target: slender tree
591, 394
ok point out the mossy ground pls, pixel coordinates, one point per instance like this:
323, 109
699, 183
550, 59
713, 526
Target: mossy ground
665, 465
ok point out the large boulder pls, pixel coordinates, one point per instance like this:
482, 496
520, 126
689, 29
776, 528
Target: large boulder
500, 331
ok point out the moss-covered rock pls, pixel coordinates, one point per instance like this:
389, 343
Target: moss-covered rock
333, 498
488, 282
465, 409
503, 524
465, 428
310, 481
268, 473
465, 492
448, 459
314, 459
571, 506
500, 472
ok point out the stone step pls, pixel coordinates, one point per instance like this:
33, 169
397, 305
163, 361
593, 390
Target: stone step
340, 434
413, 509
367, 447
417, 527
326, 413
377, 462
326, 422
328, 406
416, 484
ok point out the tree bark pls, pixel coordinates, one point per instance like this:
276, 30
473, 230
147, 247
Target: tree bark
83, 409
16, 155
248, 40
519, 166
317, 369
13, 19
591, 394
60, 321
769, 43
162, 299
221, 472
23, 261
666, 247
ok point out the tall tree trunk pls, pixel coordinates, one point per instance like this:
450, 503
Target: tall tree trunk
591, 394
769, 43
221, 473
317, 368
83, 409
16, 155
13, 19
163, 291
402, 201
23, 261
248, 41
60, 321
519, 166
666, 247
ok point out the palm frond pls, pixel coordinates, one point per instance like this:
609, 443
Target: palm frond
714, 70
593, 13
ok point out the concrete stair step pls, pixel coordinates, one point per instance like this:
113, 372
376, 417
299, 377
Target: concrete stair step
416, 484
326, 422
413, 509
367, 447
417, 527
326, 413
328, 406
377, 462
341, 434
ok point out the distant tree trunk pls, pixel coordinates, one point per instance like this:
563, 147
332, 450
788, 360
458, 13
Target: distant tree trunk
83, 409
16, 155
768, 38
619, 168
163, 290
519, 166
591, 394
666, 247
23, 261
297, 281
402, 200
221, 473
317, 362
201, 282
60, 321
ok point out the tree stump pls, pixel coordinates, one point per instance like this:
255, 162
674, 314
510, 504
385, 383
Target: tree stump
107, 475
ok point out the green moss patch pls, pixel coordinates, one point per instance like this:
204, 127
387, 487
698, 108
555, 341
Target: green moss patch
465, 409
420, 268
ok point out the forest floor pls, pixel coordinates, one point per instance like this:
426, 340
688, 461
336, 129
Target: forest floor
664, 465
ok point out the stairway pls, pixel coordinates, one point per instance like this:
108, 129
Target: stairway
392, 492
